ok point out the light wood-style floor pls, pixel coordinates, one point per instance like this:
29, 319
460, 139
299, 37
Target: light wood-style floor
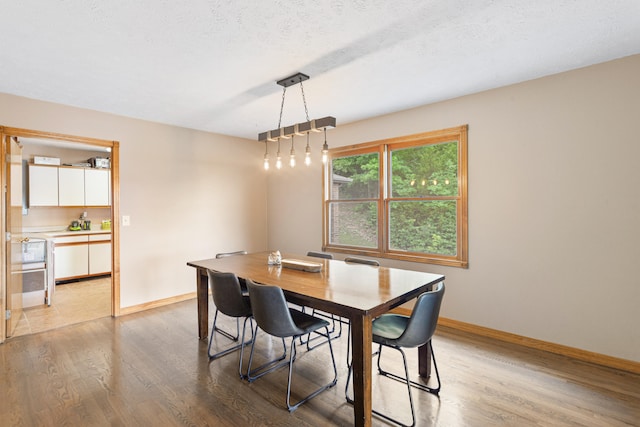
149, 369
73, 302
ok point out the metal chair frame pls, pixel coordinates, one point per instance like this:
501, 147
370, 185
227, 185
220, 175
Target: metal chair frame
356, 260
273, 316
227, 295
336, 321
243, 287
420, 326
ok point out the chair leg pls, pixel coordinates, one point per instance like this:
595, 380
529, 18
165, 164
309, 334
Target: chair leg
402, 380
230, 349
405, 380
225, 333
243, 343
270, 366
292, 354
423, 387
336, 332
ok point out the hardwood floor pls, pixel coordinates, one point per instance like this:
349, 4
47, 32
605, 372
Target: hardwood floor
149, 368
73, 302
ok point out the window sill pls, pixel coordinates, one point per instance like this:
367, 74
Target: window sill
446, 261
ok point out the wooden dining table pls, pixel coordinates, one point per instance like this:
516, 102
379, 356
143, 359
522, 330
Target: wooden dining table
357, 292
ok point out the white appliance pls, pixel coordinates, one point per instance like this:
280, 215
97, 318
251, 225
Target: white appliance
31, 263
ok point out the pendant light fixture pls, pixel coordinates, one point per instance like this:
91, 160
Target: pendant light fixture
298, 129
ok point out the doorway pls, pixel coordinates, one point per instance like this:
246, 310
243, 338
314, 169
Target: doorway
75, 302
71, 296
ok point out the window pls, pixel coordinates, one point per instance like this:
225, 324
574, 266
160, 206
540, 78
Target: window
403, 198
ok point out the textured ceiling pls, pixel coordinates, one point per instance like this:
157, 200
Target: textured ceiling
212, 64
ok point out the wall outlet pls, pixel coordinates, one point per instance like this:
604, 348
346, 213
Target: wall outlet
126, 220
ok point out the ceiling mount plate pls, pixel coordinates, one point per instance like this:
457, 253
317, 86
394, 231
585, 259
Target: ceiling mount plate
293, 80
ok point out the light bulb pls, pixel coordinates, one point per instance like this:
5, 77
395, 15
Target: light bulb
279, 162
307, 153
325, 148
266, 156
292, 155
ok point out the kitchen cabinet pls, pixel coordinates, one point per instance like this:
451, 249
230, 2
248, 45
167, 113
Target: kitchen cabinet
82, 256
43, 185
71, 260
71, 187
96, 187
100, 254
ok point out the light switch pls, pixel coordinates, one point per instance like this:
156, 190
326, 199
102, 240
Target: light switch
126, 220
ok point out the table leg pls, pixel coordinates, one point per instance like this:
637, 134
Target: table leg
424, 360
361, 359
202, 291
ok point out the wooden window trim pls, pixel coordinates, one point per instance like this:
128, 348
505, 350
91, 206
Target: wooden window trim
384, 148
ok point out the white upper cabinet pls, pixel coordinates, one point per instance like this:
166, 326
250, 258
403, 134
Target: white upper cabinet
43, 185
96, 187
71, 187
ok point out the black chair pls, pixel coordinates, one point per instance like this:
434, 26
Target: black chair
398, 331
243, 287
355, 260
226, 254
273, 316
320, 255
336, 321
228, 298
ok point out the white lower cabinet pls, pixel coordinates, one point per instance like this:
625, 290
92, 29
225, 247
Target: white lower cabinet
71, 261
81, 256
99, 254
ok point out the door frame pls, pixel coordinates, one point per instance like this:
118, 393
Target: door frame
115, 210
12, 214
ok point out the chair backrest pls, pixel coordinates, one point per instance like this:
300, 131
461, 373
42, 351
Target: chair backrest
424, 319
227, 294
271, 311
362, 261
320, 255
226, 254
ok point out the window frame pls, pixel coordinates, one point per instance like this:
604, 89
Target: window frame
385, 148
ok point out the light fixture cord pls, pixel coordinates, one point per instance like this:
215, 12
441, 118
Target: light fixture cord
284, 91
304, 101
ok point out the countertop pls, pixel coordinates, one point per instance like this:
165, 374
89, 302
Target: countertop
60, 231
75, 233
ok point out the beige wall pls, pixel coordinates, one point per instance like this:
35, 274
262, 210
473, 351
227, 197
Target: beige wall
553, 202
189, 194
554, 178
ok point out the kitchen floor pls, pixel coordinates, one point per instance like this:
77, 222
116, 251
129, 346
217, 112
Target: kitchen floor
73, 302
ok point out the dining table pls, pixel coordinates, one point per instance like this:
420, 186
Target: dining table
357, 292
